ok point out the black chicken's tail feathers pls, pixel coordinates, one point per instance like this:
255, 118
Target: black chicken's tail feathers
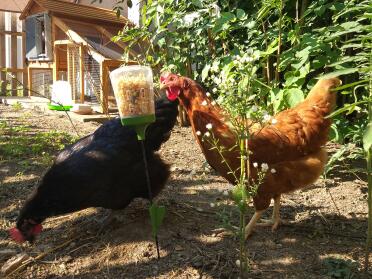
159, 132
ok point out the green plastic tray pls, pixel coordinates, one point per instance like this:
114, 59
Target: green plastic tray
58, 107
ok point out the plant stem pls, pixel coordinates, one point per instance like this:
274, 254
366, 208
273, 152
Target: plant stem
369, 175
279, 42
369, 230
148, 182
242, 211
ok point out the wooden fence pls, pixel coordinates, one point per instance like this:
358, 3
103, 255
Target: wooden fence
13, 72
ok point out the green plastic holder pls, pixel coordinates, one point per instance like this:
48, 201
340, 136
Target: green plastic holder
59, 107
140, 124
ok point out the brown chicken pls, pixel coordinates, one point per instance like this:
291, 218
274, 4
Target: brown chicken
293, 146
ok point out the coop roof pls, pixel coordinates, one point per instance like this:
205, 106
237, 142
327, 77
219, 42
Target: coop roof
63, 8
12, 5
96, 37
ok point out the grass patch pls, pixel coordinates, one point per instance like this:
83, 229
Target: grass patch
21, 142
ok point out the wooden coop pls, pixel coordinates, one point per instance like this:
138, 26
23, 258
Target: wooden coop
13, 72
72, 42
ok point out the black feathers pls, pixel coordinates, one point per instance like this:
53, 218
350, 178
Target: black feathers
104, 169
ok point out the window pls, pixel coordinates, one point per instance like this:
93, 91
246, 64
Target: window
38, 37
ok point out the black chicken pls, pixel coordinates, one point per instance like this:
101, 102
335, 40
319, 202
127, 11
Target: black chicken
103, 169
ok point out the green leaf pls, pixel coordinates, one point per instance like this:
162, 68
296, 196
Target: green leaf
340, 72
345, 108
367, 137
294, 96
222, 22
240, 13
197, 3
157, 214
350, 24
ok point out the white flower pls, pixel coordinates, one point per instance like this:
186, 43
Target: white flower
213, 103
225, 193
264, 167
204, 103
217, 80
255, 164
189, 18
215, 10
214, 90
247, 59
209, 126
274, 121
273, 170
207, 134
266, 117
256, 55
212, 204
254, 108
237, 262
198, 133
208, 94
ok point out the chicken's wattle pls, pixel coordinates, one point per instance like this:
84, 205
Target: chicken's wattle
172, 93
16, 235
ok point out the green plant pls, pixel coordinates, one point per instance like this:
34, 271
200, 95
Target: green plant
340, 268
242, 101
17, 106
362, 25
20, 143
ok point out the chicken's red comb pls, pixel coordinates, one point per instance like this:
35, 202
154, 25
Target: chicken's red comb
16, 235
164, 75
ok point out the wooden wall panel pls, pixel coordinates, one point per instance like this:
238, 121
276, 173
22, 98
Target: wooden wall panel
13, 53
2, 54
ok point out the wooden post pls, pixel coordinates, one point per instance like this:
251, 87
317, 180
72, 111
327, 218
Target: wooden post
82, 73
24, 65
55, 52
13, 51
69, 74
73, 80
55, 64
2, 54
29, 75
104, 91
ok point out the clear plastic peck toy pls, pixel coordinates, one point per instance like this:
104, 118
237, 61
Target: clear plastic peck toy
134, 93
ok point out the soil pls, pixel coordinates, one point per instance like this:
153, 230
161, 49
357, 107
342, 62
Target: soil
195, 241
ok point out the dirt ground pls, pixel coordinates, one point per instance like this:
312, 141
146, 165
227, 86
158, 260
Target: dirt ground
319, 239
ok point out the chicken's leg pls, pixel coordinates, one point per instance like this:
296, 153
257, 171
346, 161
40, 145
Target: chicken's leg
276, 213
252, 223
275, 220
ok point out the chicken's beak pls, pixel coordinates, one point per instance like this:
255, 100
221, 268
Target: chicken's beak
163, 86
163, 78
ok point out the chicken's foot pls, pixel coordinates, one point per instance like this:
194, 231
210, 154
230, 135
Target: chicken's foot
252, 223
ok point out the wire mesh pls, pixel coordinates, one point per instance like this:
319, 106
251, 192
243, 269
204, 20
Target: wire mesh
74, 70
41, 80
92, 78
